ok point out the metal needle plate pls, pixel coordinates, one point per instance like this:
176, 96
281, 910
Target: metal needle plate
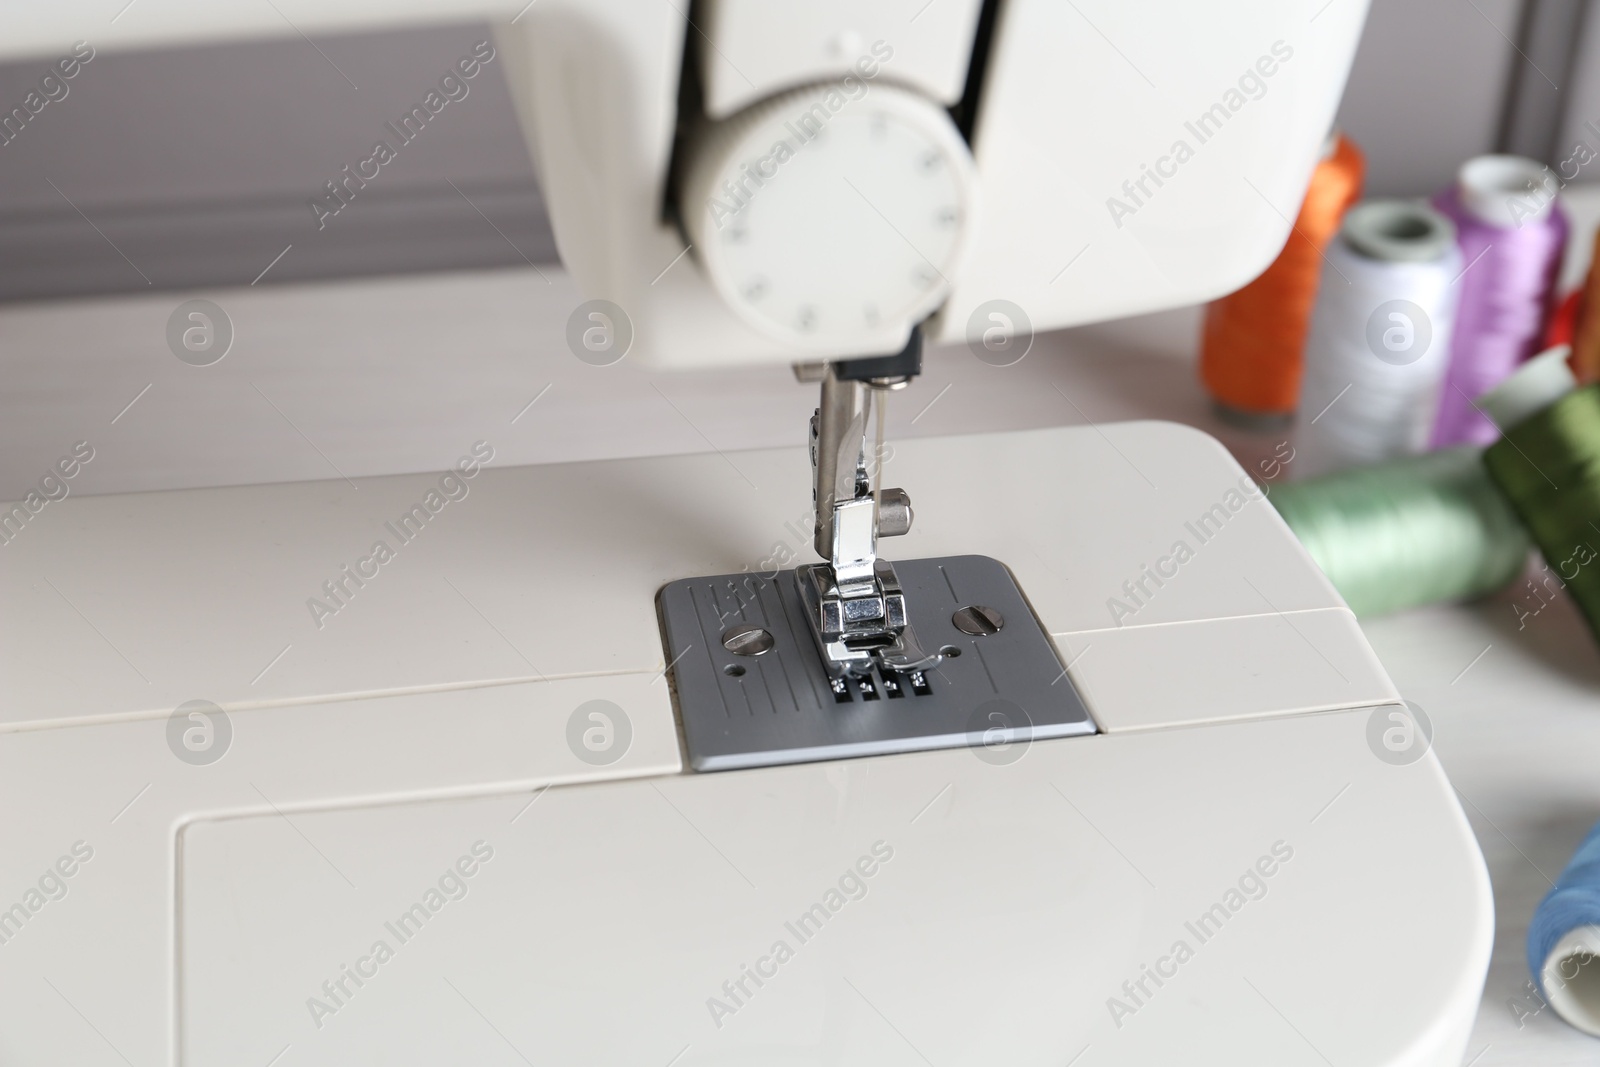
743, 711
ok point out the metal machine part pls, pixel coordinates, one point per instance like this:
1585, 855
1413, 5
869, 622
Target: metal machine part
995, 691
978, 620
854, 601
861, 627
747, 641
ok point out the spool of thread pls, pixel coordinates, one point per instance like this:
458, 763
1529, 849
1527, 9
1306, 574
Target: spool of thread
1380, 336
1252, 344
1512, 233
1547, 462
1564, 320
1564, 940
1536, 385
1586, 338
1418, 530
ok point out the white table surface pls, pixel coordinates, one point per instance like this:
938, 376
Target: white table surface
379, 376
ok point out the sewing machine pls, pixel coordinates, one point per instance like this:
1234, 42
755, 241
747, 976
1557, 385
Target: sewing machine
642, 763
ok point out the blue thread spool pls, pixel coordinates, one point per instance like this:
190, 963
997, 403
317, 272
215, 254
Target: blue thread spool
1564, 940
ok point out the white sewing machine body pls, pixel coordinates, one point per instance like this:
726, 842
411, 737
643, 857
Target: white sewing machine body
1019, 897
409, 849
1162, 154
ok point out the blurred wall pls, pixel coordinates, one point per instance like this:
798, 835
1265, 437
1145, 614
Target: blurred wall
194, 167
1580, 118
1428, 88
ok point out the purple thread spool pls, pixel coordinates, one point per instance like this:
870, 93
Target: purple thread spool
1512, 233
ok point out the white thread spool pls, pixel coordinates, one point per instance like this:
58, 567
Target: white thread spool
1380, 337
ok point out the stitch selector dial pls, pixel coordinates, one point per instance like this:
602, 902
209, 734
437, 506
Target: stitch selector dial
825, 218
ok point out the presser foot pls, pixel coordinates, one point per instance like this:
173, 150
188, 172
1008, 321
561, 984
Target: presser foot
752, 688
863, 625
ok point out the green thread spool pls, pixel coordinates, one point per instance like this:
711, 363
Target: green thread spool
1548, 465
1413, 531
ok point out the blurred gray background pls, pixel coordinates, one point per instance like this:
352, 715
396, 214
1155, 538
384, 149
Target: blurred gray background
197, 163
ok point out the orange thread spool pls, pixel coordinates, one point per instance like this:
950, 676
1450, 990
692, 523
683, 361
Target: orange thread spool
1253, 343
1586, 336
